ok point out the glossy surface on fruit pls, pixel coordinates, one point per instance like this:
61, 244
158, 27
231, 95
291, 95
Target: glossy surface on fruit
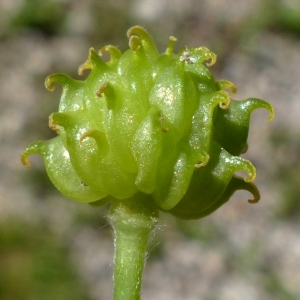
144, 122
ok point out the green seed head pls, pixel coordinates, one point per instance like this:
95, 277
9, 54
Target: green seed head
151, 123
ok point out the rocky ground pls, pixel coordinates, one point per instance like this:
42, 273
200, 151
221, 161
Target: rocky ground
242, 251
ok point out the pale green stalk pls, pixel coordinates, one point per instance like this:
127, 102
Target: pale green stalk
133, 221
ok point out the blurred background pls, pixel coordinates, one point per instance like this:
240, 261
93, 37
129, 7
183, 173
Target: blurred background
53, 248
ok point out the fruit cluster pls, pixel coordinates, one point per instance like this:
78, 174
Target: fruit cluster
144, 122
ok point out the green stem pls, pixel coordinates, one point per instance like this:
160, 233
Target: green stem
133, 220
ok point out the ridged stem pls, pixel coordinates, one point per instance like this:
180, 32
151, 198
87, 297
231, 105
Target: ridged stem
133, 220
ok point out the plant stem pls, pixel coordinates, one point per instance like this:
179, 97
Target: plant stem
133, 220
